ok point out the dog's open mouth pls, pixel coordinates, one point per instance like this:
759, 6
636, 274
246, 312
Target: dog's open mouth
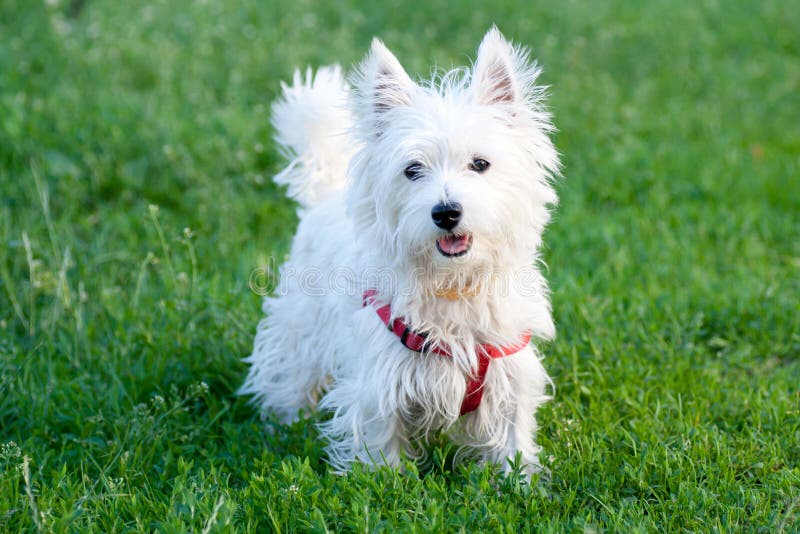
452, 246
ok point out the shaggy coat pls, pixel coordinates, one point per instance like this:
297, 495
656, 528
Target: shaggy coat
366, 224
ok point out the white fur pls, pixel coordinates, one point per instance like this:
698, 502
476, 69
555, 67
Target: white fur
311, 122
374, 230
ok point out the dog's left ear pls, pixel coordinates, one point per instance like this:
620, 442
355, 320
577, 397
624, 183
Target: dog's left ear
495, 78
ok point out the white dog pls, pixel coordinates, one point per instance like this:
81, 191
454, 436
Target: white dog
412, 289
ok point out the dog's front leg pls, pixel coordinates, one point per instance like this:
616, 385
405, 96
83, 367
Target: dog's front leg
504, 427
363, 428
520, 428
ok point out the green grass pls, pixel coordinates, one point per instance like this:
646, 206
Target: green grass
674, 261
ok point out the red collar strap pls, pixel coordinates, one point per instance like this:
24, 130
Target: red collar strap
418, 343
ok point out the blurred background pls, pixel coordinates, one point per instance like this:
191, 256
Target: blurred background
136, 199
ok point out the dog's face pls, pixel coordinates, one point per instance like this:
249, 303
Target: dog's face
454, 174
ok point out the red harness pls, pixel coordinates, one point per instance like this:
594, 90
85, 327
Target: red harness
419, 343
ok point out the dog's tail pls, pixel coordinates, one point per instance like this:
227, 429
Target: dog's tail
313, 126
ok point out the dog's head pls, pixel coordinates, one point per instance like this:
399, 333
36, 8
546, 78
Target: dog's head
453, 173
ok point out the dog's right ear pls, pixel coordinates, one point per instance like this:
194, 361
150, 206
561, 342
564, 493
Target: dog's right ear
383, 84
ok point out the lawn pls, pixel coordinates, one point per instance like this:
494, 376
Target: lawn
136, 199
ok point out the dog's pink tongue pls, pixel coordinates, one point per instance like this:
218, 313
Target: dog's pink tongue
451, 244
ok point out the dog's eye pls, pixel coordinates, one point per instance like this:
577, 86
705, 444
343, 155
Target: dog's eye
479, 165
414, 170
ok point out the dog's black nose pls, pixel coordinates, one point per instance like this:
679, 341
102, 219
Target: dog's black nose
446, 215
